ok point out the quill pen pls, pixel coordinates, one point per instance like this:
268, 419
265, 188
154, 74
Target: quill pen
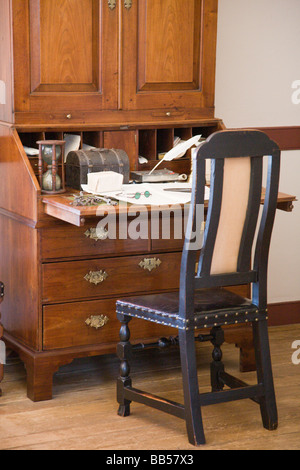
178, 151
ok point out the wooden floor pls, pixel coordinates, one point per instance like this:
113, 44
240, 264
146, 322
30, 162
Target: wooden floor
83, 415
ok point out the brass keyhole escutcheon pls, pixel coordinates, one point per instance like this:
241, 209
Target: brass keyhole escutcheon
97, 233
96, 277
150, 263
97, 321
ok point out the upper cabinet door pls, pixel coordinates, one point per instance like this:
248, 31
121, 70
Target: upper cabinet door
168, 52
66, 55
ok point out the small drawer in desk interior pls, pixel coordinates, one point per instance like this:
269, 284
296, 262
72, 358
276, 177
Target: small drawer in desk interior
68, 241
106, 277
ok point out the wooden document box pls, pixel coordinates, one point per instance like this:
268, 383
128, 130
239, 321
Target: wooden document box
116, 90
81, 162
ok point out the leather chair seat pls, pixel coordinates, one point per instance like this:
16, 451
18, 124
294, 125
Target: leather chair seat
213, 307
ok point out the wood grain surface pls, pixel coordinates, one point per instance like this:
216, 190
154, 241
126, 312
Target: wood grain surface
83, 414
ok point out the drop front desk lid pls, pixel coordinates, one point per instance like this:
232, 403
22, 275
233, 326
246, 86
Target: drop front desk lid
61, 207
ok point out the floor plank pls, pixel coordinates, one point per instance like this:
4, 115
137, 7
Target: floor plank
82, 414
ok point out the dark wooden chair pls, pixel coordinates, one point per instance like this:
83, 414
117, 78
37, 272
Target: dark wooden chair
225, 260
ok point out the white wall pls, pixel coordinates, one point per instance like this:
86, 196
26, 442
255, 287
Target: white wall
258, 59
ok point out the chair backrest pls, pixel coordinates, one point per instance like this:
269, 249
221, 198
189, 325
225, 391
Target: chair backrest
232, 218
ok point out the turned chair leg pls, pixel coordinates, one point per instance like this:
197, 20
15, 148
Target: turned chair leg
217, 366
124, 350
193, 413
264, 375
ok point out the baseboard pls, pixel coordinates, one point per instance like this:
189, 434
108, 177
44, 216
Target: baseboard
287, 137
284, 313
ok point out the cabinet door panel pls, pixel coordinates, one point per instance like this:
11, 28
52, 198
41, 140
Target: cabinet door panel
61, 49
166, 43
167, 46
66, 59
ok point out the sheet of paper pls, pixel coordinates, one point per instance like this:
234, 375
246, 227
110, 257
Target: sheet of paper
87, 147
158, 195
31, 151
72, 143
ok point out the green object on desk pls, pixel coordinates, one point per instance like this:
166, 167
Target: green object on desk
138, 195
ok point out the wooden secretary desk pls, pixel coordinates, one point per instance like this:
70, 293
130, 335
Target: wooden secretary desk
120, 74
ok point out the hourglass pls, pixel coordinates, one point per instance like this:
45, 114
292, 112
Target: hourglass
51, 152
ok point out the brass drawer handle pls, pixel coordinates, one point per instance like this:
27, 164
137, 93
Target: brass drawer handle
150, 264
97, 321
112, 4
97, 233
96, 277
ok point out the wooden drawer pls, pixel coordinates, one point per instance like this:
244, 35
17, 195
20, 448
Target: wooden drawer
65, 325
68, 241
110, 277
167, 245
169, 233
